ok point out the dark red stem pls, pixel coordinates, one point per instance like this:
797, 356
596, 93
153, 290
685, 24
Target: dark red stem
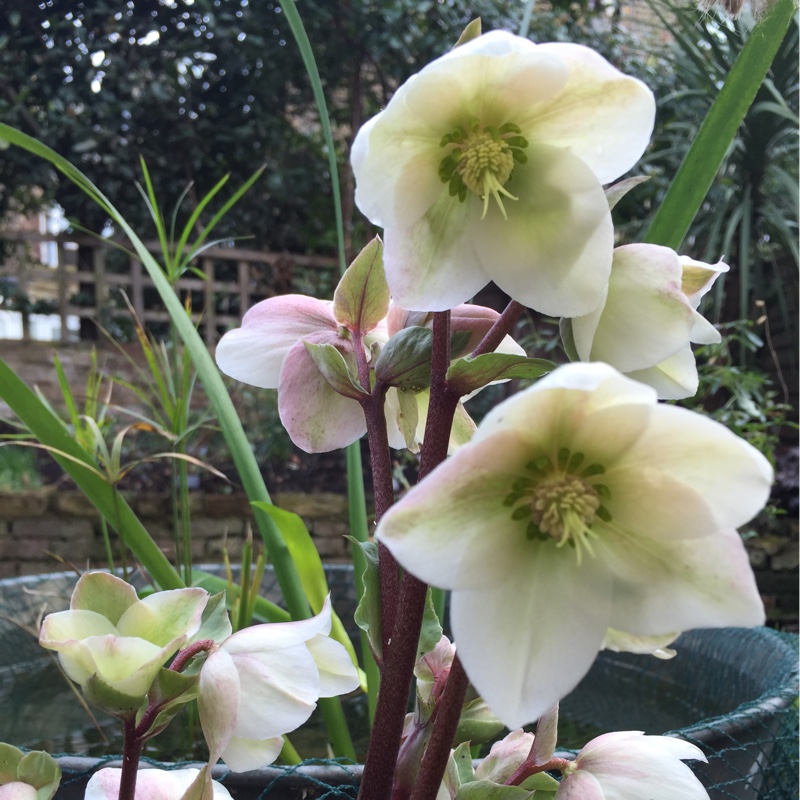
501, 328
131, 753
400, 654
526, 769
189, 652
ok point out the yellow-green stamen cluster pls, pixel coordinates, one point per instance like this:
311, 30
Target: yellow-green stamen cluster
560, 499
481, 159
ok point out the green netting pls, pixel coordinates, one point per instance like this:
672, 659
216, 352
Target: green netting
733, 692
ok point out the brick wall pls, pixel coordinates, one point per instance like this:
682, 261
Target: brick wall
38, 528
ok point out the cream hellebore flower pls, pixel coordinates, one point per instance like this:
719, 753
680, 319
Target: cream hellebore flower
629, 765
268, 351
649, 318
151, 784
580, 505
264, 681
487, 165
109, 639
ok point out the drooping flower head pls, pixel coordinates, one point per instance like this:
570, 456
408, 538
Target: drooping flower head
629, 765
265, 681
649, 318
488, 165
581, 505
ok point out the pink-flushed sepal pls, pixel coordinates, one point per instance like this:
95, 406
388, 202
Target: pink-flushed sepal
628, 765
152, 784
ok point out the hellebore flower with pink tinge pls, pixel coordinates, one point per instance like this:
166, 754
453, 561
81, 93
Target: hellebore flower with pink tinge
611, 512
629, 765
649, 318
487, 165
111, 638
151, 784
269, 351
265, 681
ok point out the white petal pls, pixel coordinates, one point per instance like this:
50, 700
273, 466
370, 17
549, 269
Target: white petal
243, 755
730, 474
164, 616
580, 785
604, 117
432, 265
337, 674
642, 766
646, 317
526, 642
279, 691
663, 587
452, 529
553, 253
255, 352
218, 703
674, 378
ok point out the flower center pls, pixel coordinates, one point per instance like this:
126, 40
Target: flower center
481, 160
561, 500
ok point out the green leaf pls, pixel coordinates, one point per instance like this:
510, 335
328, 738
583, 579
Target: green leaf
215, 623
462, 760
544, 743
468, 374
405, 360
408, 417
568, 339
616, 192
472, 31
77, 463
105, 697
171, 691
361, 299
705, 156
477, 723
10, 757
330, 362
40, 770
368, 611
431, 630
265, 610
486, 790
541, 782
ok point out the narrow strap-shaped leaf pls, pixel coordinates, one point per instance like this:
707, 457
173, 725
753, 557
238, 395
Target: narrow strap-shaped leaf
49, 430
702, 162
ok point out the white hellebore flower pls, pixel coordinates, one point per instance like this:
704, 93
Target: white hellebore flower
649, 318
265, 681
487, 165
151, 784
580, 505
629, 765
